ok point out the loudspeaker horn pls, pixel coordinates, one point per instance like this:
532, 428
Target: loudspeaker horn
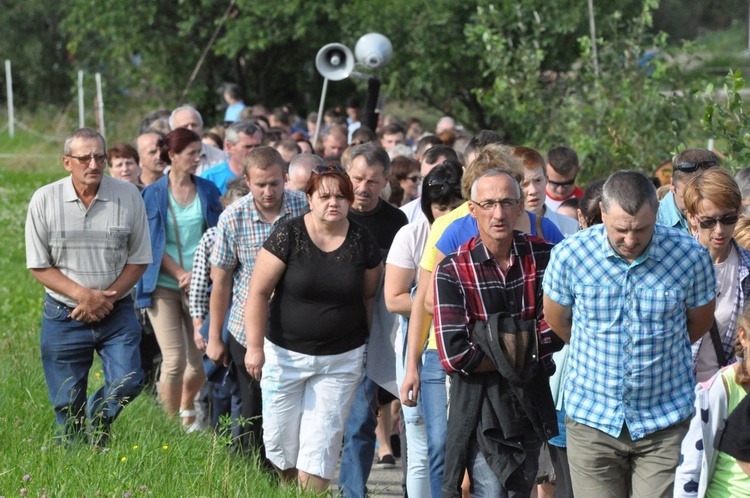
334, 61
373, 50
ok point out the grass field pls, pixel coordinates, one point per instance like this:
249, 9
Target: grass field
148, 455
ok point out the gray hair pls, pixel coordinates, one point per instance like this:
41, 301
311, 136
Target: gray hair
83, 134
233, 131
743, 180
184, 108
374, 155
630, 190
305, 160
492, 173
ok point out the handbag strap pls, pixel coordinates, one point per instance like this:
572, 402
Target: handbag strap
176, 228
716, 342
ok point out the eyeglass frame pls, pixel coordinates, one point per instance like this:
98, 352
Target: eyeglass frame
100, 159
329, 169
724, 219
567, 183
693, 166
503, 203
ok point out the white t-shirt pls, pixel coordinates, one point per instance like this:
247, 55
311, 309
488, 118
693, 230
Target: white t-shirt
566, 224
413, 211
406, 252
726, 295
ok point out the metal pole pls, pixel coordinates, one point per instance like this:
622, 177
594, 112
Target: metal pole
100, 105
9, 86
320, 112
81, 120
592, 27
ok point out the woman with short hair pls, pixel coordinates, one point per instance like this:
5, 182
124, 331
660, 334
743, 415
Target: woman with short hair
320, 272
713, 203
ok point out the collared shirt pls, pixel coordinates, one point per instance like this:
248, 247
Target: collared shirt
221, 175
630, 358
670, 215
470, 286
240, 234
89, 246
210, 156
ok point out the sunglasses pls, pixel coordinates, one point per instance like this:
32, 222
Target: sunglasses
562, 184
726, 220
329, 169
690, 167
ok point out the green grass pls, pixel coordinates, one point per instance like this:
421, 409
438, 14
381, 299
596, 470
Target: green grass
724, 50
146, 448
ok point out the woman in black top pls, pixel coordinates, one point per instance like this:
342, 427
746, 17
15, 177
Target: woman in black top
323, 272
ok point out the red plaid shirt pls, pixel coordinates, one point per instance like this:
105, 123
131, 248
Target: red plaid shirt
470, 286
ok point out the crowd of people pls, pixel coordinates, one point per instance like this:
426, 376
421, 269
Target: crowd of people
442, 296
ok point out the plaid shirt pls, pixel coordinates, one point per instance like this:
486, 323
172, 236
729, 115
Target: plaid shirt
730, 334
630, 356
240, 234
470, 286
201, 278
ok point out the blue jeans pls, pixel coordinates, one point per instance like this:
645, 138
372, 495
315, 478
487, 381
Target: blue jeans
434, 404
68, 348
484, 481
359, 440
417, 455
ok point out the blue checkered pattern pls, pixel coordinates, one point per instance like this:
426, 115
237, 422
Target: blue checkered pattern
240, 234
630, 359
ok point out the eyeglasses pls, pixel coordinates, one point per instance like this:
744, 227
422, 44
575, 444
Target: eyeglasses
491, 205
726, 220
562, 184
86, 160
414, 179
690, 167
329, 169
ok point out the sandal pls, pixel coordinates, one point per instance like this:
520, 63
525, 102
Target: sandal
194, 426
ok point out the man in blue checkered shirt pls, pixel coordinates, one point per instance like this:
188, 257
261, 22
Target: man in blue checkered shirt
630, 296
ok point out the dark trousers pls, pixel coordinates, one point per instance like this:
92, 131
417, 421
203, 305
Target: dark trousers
559, 457
251, 435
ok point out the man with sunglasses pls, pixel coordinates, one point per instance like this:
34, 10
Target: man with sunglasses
685, 165
87, 242
562, 169
630, 296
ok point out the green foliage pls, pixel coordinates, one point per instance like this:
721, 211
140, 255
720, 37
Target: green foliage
726, 120
35, 44
629, 116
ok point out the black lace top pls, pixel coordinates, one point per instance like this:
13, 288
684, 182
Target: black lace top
317, 307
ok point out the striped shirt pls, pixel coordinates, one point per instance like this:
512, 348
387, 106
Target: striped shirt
89, 246
630, 359
470, 286
240, 234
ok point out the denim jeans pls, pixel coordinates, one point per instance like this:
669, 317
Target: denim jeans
417, 456
68, 348
484, 481
359, 440
434, 404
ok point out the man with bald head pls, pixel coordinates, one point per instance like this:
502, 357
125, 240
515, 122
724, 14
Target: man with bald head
300, 169
152, 167
189, 117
